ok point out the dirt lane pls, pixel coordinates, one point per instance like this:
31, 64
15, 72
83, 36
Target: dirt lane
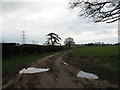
59, 76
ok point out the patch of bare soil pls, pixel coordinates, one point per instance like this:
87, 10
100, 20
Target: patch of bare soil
59, 76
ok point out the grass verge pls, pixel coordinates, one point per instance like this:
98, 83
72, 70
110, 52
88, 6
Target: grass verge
102, 60
12, 61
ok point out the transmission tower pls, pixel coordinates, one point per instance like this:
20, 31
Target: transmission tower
23, 37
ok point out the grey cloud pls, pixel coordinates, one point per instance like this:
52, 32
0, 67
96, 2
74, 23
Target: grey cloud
8, 7
113, 31
38, 19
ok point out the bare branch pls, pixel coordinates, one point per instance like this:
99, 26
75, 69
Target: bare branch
108, 11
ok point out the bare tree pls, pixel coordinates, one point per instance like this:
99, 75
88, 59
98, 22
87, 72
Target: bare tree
69, 42
100, 11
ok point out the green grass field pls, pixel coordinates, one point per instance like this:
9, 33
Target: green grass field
12, 61
106, 58
97, 51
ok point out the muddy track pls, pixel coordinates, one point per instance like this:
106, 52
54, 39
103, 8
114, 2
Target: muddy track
59, 76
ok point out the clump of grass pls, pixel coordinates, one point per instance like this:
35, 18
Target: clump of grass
109, 65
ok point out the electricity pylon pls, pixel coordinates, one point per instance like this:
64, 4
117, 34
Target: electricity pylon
23, 37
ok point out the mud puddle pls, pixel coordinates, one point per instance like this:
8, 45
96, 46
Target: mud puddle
87, 75
33, 70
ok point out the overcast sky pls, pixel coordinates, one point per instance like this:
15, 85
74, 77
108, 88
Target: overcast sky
38, 19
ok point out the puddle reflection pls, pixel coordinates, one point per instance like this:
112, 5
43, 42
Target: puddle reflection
33, 70
87, 75
65, 63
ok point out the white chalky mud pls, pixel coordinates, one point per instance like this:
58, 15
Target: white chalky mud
87, 75
33, 70
65, 63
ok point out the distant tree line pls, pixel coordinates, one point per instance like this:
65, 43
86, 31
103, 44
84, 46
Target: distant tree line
97, 44
52, 44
